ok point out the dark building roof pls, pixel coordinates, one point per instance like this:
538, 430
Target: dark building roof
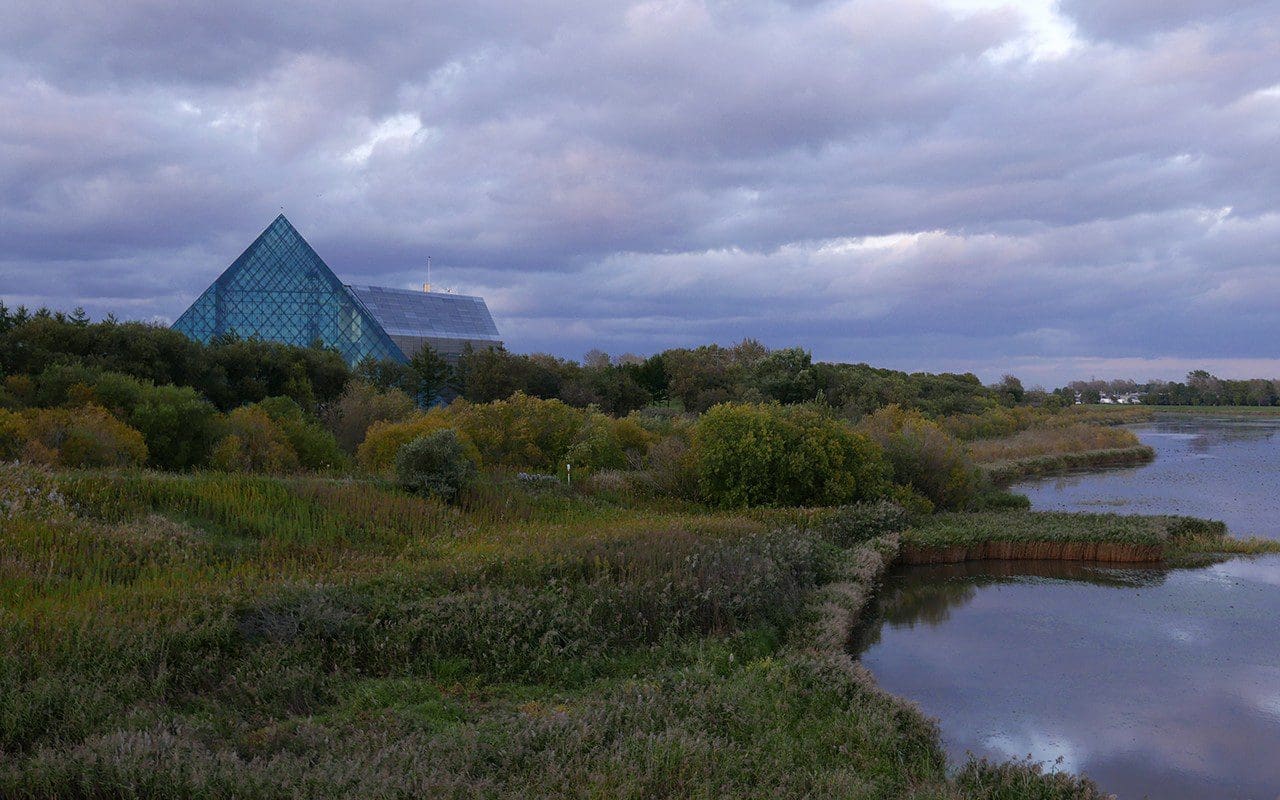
279, 289
408, 313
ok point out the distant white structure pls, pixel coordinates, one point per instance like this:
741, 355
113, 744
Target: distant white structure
1130, 398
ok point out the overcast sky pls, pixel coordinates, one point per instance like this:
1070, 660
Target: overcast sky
1062, 190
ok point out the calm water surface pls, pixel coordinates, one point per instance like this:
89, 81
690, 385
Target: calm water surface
1217, 468
1156, 683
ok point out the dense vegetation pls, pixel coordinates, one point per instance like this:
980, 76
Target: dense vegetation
247, 570
82, 394
221, 636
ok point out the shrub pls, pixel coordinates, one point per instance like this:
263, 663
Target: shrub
315, 447
88, 436
20, 388
360, 405
522, 432
772, 455
377, 453
924, 457
177, 423
13, 434
606, 443
670, 464
252, 442
53, 386
435, 464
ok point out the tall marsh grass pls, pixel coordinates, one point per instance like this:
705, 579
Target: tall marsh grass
222, 636
1074, 438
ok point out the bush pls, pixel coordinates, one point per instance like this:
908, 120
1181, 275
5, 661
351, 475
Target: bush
252, 442
522, 432
315, 447
773, 455
377, 453
177, 423
435, 464
606, 443
924, 457
13, 435
82, 437
361, 404
670, 463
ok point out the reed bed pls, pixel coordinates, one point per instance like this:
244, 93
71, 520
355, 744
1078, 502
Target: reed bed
220, 636
1004, 473
946, 538
1052, 441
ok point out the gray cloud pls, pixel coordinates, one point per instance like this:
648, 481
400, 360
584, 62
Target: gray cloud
906, 183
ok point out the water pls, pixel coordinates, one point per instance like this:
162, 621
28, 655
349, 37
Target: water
1217, 468
1156, 683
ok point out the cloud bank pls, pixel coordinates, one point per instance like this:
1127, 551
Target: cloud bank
1043, 187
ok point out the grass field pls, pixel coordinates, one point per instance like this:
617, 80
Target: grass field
222, 636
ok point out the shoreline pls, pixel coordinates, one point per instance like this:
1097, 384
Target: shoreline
1006, 473
1184, 540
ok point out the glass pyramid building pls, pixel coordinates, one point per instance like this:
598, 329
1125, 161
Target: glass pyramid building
279, 289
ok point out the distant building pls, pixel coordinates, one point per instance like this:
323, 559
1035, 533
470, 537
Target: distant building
1130, 398
279, 289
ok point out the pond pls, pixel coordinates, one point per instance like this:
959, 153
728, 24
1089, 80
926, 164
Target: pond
1154, 682
1220, 468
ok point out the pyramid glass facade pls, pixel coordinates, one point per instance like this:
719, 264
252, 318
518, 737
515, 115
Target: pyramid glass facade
280, 290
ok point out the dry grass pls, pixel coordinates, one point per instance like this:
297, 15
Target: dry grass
1074, 438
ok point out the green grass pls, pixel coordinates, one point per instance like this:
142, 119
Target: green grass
219, 636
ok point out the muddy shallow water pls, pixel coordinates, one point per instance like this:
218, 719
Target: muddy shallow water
1159, 683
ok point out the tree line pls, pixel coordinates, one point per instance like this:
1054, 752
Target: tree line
231, 372
1200, 388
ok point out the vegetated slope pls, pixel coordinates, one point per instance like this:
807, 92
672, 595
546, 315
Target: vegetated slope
234, 636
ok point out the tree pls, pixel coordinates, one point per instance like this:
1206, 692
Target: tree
774, 455
384, 374
430, 375
488, 374
361, 404
595, 359
787, 376
1009, 390
650, 375
702, 377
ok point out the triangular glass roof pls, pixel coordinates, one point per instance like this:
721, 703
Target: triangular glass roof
279, 289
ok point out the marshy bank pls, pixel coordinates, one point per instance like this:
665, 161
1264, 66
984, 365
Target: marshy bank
1050, 450
1219, 465
219, 636
1154, 681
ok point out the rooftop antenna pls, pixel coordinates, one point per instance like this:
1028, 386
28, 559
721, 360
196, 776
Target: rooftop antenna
426, 287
